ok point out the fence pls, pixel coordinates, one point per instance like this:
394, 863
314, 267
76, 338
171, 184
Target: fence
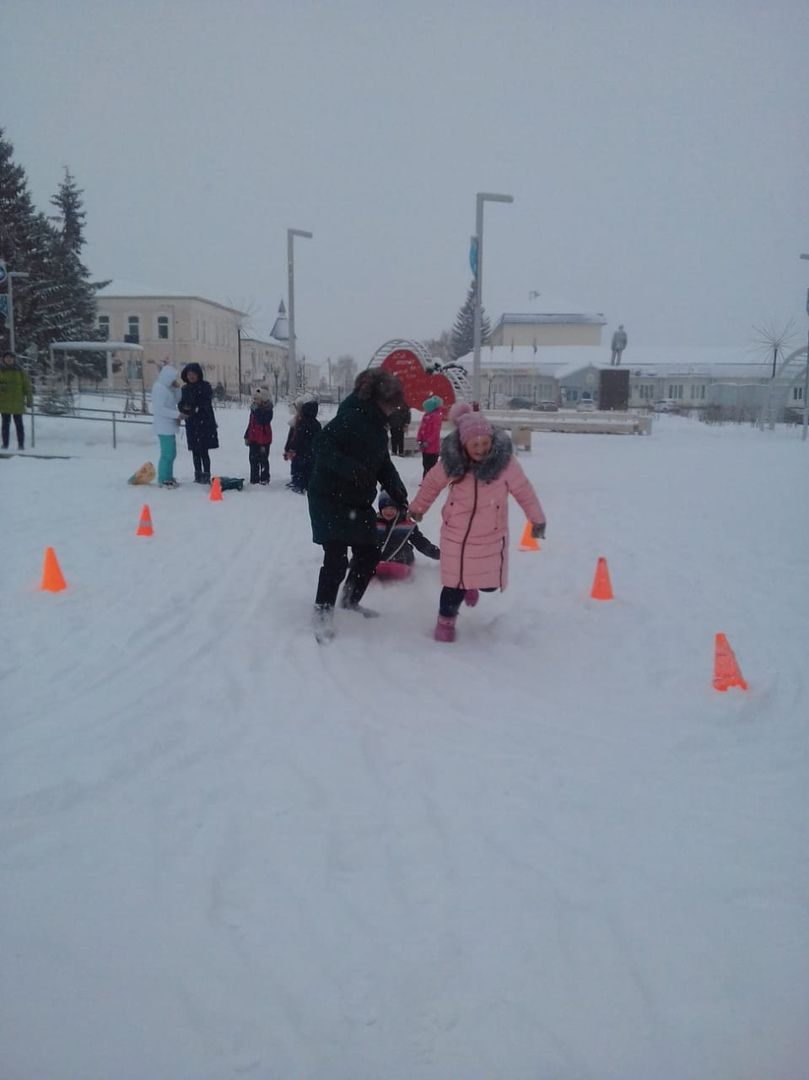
111, 416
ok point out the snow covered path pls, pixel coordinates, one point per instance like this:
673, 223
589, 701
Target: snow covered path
550, 850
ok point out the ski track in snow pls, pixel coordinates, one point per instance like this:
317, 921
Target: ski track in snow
547, 850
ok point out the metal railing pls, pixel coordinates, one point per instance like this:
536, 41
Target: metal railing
112, 416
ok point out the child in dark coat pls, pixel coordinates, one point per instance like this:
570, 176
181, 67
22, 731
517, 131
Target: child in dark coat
299, 444
397, 535
258, 436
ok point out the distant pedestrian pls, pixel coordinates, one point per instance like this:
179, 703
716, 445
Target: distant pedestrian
196, 405
15, 397
428, 436
166, 418
258, 436
398, 422
619, 343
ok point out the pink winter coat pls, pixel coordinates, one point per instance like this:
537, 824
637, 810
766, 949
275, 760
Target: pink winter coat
474, 530
429, 434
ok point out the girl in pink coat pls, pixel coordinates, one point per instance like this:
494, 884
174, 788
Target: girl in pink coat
428, 436
478, 465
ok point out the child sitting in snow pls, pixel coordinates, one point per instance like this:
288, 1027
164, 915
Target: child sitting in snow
477, 463
397, 536
258, 436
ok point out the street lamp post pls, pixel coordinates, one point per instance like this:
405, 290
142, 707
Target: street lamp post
480, 199
291, 367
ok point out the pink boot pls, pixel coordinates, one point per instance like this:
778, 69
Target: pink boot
445, 628
471, 598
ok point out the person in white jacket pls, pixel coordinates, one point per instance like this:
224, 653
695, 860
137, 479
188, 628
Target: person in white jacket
166, 422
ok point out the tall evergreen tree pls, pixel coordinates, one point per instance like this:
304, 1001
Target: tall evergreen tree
55, 300
463, 331
23, 245
72, 306
71, 218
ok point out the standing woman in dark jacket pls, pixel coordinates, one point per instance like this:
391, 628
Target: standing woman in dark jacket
350, 458
196, 405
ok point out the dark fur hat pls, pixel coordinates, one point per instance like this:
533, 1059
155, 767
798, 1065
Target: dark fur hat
378, 385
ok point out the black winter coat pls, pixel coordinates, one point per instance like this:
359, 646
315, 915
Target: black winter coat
196, 403
302, 436
350, 459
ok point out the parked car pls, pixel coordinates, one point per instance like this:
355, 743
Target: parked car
667, 405
587, 405
520, 403
546, 406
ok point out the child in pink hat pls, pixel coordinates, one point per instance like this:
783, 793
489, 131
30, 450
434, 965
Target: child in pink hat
478, 465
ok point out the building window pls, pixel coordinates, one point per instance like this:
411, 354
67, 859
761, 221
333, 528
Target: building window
163, 327
133, 334
797, 393
104, 327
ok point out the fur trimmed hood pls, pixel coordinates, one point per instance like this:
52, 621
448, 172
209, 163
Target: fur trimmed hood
457, 463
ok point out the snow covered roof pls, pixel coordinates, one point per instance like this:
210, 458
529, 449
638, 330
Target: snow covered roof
550, 318
95, 346
122, 289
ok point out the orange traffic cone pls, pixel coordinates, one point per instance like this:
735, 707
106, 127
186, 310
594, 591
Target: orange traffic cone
145, 526
602, 587
528, 542
726, 671
52, 577
216, 490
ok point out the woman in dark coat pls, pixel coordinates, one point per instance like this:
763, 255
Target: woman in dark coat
196, 404
350, 458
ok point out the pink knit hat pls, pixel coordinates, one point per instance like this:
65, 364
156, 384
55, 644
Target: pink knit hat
470, 424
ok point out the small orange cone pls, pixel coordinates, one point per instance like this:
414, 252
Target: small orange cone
145, 526
726, 671
216, 490
528, 542
602, 587
52, 577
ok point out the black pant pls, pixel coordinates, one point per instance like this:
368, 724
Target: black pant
259, 463
451, 599
364, 558
18, 424
202, 464
397, 440
427, 461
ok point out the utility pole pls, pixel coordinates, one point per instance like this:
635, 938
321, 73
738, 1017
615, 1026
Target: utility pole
291, 366
477, 262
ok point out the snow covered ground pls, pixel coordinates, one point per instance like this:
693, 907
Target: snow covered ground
550, 851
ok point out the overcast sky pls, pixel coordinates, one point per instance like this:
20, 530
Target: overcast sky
658, 155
